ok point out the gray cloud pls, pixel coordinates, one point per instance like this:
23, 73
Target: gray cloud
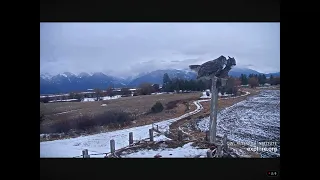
125, 49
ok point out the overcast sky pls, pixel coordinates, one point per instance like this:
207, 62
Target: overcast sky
125, 49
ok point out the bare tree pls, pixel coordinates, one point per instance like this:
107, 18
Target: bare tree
98, 93
253, 82
125, 91
110, 91
146, 89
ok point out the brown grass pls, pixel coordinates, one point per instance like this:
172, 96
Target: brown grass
138, 105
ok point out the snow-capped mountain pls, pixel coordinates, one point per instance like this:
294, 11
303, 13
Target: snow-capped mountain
67, 82
156, 77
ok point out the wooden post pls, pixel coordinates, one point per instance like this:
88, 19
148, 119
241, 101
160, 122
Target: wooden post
85, 153
151, 134
112, 146
157, 127
219, 151
209, 154
179, 135
130, 138
225, 143
213, 110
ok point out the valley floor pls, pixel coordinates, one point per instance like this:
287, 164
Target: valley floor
245, 117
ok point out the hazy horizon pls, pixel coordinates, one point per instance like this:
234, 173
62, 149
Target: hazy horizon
126, 49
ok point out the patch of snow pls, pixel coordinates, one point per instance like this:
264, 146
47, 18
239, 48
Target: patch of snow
225, 96
65, 100
103, 98
63, 75
103, 105
88, 99
160, 137
113, 97
181, 152
46, 76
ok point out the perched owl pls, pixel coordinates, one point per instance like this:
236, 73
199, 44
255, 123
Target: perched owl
224, 72
210, 68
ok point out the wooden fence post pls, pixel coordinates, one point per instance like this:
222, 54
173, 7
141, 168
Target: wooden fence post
157, 127
130, 138
225, 143
209, 154
112, 146
219, 151
151, 134
179, 135
85, 153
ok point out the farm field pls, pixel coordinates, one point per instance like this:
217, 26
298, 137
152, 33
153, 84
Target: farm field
253, 120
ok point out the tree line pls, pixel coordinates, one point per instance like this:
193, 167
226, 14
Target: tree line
176, 84
254, 80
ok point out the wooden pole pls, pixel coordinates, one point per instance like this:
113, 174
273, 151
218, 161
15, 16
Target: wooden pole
85, 153
130, 138
213, 111
209, 154
151, 134
219, 151
112, 146
225, 143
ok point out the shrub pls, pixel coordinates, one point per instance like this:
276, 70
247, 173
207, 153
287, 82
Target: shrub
171, 104
85, 123
157, 107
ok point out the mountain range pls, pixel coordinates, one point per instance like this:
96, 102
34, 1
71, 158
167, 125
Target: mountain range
67, 82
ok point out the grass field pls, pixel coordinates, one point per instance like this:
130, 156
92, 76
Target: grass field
137, 105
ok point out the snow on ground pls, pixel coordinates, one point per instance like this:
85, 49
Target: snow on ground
160, 137
225, 96
65, 100
181, 152
252, 120
103, 98
158, 93
100, 143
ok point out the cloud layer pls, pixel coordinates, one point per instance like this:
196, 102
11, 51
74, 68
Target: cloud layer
125, 49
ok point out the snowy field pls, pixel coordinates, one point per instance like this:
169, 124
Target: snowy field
250, 121
100, 143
